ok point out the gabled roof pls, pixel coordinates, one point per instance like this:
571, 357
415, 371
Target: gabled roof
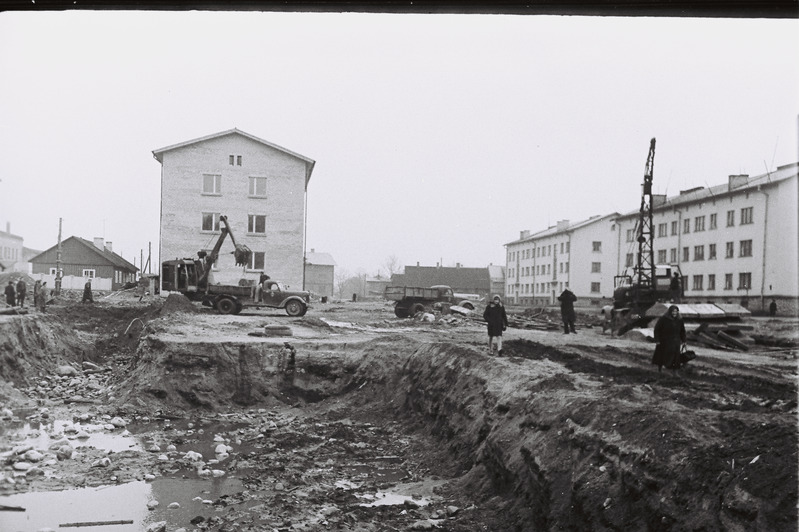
105, 254
309, 163
703, 194
319, 259
554, 230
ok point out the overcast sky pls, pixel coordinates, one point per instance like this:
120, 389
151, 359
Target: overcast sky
436, 137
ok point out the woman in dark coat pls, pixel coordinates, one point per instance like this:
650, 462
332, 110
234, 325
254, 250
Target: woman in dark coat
669, 337
497, 320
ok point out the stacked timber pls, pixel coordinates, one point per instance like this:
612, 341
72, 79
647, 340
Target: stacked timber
721, 335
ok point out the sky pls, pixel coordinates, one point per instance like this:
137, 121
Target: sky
437, 138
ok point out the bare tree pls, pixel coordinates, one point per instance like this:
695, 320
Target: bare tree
392, 265
341, 278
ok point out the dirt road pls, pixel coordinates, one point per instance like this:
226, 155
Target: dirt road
362, 421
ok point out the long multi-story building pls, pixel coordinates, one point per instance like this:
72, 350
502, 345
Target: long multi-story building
733, 243
258, 185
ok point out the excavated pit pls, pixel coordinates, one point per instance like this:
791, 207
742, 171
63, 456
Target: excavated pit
544, 438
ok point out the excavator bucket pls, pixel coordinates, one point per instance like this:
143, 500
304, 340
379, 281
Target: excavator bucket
242, 255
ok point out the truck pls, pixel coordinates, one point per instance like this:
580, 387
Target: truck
412, 299
190, 277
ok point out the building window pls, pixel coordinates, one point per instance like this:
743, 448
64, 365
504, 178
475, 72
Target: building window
730, 218
258, 187
746, 248
210, 221
713, 221
699, 224
596, 267
673, 255
568, 245
699, 252
698, 279
629, 262
727, 281
595, 289
711, 281
744, 281
630, 235
746, 215
686, 254
256, 223
730, 250
212, 184
257, 260
663, 229
89, 273
711, 252
238, 160
674, 228
230, 160
686, 226
661, 256
597, 246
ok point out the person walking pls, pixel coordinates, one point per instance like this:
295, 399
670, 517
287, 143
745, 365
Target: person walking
497, 321
669, 337
11, 294
36, 287
142, 288
21, 292
567, 299
87, 292
772, 308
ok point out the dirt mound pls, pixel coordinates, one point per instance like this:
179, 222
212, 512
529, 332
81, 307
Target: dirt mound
175, 303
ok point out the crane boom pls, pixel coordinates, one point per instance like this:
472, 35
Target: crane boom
646, 235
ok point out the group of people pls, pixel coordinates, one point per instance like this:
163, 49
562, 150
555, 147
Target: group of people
16, 294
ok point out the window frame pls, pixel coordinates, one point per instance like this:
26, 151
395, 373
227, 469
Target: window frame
252, 224
215, 223
216, 188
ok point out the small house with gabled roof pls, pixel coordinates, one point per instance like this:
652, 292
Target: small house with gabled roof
260, 187
82, 259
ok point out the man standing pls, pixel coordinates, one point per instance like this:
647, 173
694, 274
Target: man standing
11, 294
567, 299
497, 321
675, 288
44, 295
21, 292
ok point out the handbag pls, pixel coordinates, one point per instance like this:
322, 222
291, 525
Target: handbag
686, 355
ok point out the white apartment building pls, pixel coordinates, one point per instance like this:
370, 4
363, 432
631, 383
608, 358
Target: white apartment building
734, 243
580, 256
258, 185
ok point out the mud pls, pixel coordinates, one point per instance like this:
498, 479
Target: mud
362, 421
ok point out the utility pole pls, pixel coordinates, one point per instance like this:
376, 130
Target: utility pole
57, 290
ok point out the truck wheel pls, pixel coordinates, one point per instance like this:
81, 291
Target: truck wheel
295, 308
416, 307
401, 312
225, 305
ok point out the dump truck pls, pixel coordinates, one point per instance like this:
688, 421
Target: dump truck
190, 277
412, 299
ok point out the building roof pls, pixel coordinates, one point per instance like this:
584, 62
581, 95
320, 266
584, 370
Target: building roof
461, 277
309, 163
105, 253
319, 259
496, 272
745, 183
563, 228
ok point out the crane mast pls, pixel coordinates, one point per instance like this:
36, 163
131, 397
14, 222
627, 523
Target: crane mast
646, 255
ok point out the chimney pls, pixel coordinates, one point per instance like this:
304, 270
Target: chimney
313, 250
457, 264
99, 242
737, 181
563, 225
658, 200
524, 234
109, 246
417, 263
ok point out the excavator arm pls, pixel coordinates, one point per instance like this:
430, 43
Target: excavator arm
241, 252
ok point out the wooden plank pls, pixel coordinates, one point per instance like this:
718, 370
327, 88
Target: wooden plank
96, 523
734, 341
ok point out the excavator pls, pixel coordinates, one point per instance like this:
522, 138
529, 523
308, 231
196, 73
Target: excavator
643, 296
192, 278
